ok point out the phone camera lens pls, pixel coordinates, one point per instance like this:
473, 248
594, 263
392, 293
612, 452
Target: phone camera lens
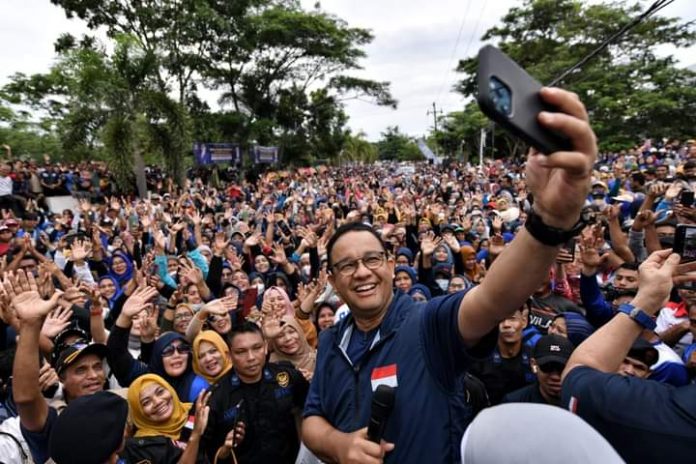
501, 95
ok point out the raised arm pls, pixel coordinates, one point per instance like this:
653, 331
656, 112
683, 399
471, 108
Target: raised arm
560, 183
31, 310
607, 347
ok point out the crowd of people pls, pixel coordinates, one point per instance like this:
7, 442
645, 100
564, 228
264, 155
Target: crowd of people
249, 319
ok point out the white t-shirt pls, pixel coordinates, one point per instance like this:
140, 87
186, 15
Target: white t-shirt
5, 186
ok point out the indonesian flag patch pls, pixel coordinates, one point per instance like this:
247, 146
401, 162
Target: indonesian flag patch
385, 375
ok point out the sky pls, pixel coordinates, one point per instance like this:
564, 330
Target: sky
416, 47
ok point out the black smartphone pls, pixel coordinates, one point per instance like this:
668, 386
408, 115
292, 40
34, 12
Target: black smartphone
284, 227
508, 95
686, 198
568, 247
685, 242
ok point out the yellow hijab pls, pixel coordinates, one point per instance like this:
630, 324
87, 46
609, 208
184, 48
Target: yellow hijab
216, 340
147, 428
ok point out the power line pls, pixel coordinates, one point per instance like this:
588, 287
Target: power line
454, 50
654, 8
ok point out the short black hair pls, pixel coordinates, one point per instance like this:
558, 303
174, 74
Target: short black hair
629, 266
350, 227
245, 327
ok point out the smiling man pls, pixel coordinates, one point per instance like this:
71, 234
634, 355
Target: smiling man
426, 352
80, 366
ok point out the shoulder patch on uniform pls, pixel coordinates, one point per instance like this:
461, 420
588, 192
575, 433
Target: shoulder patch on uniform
283, 379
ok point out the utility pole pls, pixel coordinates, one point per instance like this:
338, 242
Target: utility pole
435, 112
482, 145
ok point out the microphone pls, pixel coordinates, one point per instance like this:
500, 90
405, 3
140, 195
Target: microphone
382, 405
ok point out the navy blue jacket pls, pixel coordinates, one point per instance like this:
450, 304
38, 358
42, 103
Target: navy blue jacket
421, 341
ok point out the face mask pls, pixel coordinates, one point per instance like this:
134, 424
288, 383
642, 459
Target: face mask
306, 270
172, 275
260, 288
442, 283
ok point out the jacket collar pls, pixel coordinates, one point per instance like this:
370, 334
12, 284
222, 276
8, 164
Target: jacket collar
396, 313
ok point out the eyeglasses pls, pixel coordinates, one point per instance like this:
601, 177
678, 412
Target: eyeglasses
372, 261
183, 316
181, 349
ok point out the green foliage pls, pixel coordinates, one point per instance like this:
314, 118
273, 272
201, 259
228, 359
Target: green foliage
630, 93
283, 71
358, 150
396, 146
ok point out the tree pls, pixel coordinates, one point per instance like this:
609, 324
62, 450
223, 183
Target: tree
283, 70
108, 106
629, 91
396, 146
357, 149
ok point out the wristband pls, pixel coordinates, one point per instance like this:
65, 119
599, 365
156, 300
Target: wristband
639, 316
548, 235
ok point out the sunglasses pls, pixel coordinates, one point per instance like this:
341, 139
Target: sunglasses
181, 349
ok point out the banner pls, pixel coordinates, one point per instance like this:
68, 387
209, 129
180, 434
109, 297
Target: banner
427, 152
265, 155
208, 153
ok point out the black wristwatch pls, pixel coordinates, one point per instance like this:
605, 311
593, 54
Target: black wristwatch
548, 235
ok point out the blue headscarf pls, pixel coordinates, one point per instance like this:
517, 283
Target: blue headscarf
188, 384
126, 276
118, 290
408, 270
422, 289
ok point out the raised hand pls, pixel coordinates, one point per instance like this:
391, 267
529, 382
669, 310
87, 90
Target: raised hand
656, 276
192, 273
452, 243
196, 218
220, 243
23, 291
560, 181
202, 412
47, 377
589, 253
138, 301
279, 257
148, 327
222, 306
160, 241
253, 240
80, 250
272, 326
497, 224
56, 321
429, 243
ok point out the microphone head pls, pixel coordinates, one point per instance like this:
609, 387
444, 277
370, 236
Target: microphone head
383, 398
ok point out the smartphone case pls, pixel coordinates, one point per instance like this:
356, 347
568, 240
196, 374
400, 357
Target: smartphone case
526, 102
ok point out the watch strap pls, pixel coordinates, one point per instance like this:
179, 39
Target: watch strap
638, 315
549, 235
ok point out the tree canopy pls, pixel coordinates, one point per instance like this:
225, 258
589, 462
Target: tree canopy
629, 89
282, 73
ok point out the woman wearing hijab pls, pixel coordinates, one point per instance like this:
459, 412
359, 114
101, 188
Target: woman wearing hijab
171, 354
113, 295
404, 278
471, 269
289, 344
277, 301
163, 429
211, 356
121, 267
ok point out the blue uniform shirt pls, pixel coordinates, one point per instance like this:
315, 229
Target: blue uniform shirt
645, 421
417, 348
